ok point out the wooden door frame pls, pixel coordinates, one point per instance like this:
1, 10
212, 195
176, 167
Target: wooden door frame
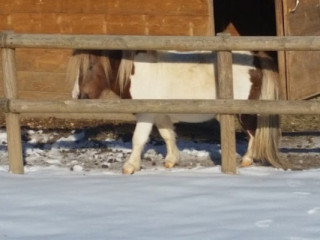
281, 54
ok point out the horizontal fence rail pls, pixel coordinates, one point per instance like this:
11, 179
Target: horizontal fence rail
162, 106
187, 43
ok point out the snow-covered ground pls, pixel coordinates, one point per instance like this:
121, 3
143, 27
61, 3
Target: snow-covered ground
195, 201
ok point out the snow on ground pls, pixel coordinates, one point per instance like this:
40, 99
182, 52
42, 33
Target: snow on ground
199, 202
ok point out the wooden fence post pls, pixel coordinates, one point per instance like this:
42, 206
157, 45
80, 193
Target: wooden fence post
227, 121
12, 119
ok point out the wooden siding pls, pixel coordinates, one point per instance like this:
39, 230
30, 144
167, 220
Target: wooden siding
105, 16
41, 72
302, 68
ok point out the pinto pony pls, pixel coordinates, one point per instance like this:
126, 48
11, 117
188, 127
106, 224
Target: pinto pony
179, 75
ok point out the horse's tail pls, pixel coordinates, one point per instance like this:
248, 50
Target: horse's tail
125, 70
267, 136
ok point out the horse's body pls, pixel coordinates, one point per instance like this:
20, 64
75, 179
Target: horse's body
179, 75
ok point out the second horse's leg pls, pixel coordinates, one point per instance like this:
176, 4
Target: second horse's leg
166, 130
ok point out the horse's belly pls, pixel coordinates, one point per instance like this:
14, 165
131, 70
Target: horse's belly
176, 76
173, 81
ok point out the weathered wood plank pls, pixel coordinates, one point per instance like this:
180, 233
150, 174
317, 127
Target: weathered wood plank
112, 117
42, 60
90, 16
30, 6
281, 54
155, 7
37, 22
43, 96
4, 24
43, 82
167, 106
183, 43
227, 121
12, 119
105, 24
303, 72
41, 71
166, 7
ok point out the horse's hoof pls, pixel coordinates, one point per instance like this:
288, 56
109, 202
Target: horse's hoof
246, 162
129, 169
169, 164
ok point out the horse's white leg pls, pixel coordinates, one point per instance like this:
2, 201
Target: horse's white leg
247, 159
139, 139
166, 130
249, 124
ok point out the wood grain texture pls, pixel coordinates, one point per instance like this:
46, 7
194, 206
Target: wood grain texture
162, 7
106, 24
42, 95
227, 121
302, 69
42, 82
41, 74
167, 106
14, 143
180, 43
10, 74
228, 144
90, 16
281, 54
41, 60
12, 119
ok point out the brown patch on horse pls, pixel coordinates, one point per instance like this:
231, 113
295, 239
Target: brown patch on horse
256, 81
256, 76
109, 94
93, 80
249, 121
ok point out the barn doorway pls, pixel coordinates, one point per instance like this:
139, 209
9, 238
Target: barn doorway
245, 17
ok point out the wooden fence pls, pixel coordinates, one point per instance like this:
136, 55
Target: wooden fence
226, 107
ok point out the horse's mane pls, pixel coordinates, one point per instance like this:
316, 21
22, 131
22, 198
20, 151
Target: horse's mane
125, 70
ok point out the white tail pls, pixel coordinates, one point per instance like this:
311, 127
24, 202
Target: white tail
268, 133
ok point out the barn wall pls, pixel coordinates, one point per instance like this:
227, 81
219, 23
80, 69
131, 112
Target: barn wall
41, 72
302, 67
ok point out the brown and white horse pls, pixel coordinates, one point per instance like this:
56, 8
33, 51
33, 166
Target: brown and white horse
179, 75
